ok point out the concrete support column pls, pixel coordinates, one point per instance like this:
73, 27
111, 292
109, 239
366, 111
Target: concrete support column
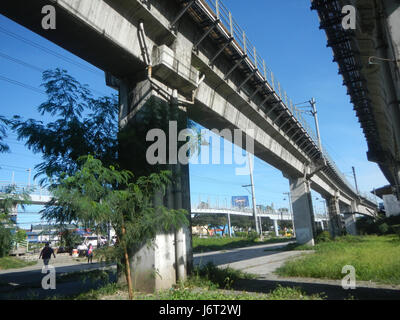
169, 257
229, 226
350, 223
303, 214
335, 221
276, 227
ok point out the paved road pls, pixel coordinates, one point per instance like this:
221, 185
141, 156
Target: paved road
26, 282
260, 260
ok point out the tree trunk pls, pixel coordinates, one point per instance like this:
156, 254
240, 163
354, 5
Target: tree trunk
127, 266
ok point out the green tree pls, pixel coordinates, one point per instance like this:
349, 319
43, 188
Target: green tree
82, 125
10, 198
69, 238
201, 220
242, 222
101, 195
210, 221
19, 236
5, 239
3, 127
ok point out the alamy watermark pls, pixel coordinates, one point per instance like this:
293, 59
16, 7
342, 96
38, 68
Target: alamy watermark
49, 20
157, 152
349, 281
49, 280
349, 20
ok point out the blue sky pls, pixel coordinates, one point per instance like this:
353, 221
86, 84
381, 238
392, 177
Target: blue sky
285, 33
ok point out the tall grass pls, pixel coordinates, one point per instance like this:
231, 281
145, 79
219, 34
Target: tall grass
375, 258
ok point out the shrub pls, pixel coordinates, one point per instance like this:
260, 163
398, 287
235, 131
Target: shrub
380, 226
241, 234
323, 236
252, 236
5, 241
396, 229
383, 228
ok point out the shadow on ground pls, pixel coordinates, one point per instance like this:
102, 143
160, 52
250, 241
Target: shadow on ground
331, 292
28, 284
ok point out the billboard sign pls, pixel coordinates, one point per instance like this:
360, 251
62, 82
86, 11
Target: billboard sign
240, 201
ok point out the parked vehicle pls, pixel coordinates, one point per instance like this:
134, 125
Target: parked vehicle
83, 246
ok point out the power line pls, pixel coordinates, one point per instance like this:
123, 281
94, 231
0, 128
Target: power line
23, 85
11, 170
22, 63
49, 51
6, 165
28, 65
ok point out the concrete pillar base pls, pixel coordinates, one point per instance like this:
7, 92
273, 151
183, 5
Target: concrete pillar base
335, 221
303, 214
153, 265
276, 228
350, 223
169, 256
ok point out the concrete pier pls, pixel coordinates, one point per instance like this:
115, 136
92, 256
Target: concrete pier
335, 221
350, 223
276, 227
168, 258
303, 214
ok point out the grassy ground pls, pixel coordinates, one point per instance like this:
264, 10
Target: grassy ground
208, 283
375, 258
216, 243
13, 262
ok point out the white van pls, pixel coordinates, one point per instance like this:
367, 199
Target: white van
90, 240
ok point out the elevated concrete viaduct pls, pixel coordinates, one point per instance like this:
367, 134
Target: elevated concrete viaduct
193, 53
369, 59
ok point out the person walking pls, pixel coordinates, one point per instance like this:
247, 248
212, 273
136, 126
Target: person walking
90, 253
46, 253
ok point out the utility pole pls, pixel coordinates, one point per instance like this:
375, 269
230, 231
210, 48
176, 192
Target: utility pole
291, 211
253, 195
355, 179
29, 177
229, 226
315, 114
